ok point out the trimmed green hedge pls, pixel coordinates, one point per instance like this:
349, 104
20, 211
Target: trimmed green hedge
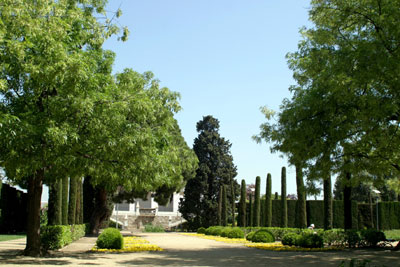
110, 238
58, 236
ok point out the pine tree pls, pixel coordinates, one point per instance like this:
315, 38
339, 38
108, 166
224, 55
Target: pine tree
301, 215
224, 207
242, 207
283, 199
257, 208
64, 208
268, 202
200, 204
72, 200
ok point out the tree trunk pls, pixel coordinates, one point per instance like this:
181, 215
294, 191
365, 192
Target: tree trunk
347, 202
301, 215
72, 200
268, 202
328, 216
64, 205
35, 186
233, 203
100, 212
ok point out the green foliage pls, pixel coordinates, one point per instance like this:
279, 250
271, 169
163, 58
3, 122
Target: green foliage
214, 230
64, 204
372, 237
225, 231
73, 182
153, 228
110, 238
284, 215
392, 234
328, 210
290, 239
58, 236
263, 236
257, 204
54, 205
43, 216
335, 237
352, 238
268, 202
224, 207
242, 205
310, 240
249, 236
300, 215
235, 232
200, 204
201, 230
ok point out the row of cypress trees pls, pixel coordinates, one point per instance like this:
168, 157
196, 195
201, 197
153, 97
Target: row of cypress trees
254, 216
65, 202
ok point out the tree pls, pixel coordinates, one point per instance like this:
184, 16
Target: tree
283, 198
301, 213
54, 212
328, 209
73, 181
224, 207
268, 202
64, 200
220, 205
251, 211
233, 204
257, 207
242, 205
215, 169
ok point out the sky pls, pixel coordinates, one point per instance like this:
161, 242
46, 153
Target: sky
226, 58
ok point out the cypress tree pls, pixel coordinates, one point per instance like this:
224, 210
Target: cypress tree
88, 199
268, 202
64, 209
250, 210
78, 208
242, 209
233, 204
301, 215
328, 215
283, 199
54, 205
257, 209
276, 196
348, 224
224, 207
220, 205
81, 204
72, 200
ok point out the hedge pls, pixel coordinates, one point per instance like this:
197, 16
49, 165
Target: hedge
58, 236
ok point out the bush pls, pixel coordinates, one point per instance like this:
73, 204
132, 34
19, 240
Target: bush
249, 236
201, 230
225, 231
290, 239
372, 237
153, 228
110, 238
263, 236
235, 233
77, 231
308, 240
352, 238
334, 237
214, 230
55, 236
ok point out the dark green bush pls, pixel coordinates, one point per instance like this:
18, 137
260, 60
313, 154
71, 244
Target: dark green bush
352, 238
55, 236
334, 237
214, 230
263, 236
307, 240
201, 230
110, 238
149, 228
372, 237
249, 236
235, 233
290, 239
225, 231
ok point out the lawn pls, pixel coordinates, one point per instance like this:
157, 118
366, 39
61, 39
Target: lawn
393, 234
10, 237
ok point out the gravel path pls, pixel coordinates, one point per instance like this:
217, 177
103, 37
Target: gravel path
181, 250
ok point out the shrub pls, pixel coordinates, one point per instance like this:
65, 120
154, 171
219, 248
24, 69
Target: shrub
110, 238
307, 240
214, 230
372, 237
55, 236
352, 238
334, 237
290, 239
235, 233
263, 236
249, 236
201, 230
153, 228
77, 231
225, 231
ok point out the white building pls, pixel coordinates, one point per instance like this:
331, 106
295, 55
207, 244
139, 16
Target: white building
135, 215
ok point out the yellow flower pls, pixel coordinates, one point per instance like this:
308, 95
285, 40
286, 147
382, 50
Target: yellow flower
132, 244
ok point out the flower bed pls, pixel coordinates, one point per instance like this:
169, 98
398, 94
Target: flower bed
277, 246
132, 244
218, 238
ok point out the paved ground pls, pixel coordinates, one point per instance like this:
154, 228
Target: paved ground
183, 250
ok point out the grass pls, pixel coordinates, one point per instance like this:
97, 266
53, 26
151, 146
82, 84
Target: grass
10, 237
393, 234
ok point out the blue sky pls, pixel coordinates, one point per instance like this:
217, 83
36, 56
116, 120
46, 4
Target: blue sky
226, 58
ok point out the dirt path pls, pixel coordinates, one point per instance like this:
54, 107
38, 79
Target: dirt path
181, 250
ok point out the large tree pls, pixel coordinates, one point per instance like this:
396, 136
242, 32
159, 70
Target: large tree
200, 204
